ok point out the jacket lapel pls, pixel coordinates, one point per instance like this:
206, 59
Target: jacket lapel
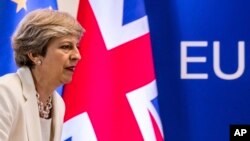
56, 120
30, 105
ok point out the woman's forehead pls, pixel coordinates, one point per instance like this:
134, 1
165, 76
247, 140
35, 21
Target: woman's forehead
68, 38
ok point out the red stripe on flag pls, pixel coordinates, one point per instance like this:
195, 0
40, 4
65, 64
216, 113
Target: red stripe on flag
158, 135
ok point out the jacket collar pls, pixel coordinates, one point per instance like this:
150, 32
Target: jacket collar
28, 84
31, 108
30, 105
56, 118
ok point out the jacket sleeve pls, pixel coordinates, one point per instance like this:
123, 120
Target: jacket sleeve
8, 110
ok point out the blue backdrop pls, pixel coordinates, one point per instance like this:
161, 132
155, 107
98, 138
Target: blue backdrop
201, 109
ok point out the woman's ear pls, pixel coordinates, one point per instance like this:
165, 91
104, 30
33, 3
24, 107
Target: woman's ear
35, 58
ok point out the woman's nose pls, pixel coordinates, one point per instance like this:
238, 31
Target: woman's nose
75, 55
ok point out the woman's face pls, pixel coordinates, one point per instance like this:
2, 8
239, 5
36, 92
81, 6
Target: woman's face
61, 59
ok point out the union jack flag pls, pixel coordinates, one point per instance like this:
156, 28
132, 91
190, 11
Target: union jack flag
113, 95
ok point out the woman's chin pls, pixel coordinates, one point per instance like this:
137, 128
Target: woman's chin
67, 80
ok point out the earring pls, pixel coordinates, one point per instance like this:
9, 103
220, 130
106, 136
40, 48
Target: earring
39, 62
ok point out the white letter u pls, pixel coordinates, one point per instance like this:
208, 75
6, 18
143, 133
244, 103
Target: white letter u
241, 61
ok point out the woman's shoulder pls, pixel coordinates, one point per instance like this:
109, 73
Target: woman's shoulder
10, 86
9, 80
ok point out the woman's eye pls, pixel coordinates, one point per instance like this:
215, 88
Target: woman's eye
65, 47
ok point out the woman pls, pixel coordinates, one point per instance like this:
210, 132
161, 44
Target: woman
46, 50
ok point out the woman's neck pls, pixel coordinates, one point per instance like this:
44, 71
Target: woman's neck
43, 84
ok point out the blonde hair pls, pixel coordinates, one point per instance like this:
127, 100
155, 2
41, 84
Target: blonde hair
37, 29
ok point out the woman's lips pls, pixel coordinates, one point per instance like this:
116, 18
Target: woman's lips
71, 68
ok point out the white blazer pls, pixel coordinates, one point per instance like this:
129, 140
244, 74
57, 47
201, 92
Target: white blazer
19, 116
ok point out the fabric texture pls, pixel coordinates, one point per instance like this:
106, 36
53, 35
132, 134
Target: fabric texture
19, 118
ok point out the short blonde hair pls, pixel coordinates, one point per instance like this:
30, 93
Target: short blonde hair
37, 29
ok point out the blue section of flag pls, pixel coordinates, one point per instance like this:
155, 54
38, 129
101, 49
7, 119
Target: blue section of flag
156, 105
133, 10
9, 18
60, 90
35, 4
69, 139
